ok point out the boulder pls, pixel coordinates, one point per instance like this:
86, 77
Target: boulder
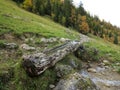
27, 47
11, 45
43, 40
76, 81
51, 86
64, 40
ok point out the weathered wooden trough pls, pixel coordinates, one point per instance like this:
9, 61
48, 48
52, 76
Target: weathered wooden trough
36, 64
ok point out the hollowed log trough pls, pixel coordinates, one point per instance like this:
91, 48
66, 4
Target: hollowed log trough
36, 64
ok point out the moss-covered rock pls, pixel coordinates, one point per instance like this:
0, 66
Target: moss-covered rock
76, 82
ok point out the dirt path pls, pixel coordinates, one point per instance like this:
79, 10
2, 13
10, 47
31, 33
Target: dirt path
104, 77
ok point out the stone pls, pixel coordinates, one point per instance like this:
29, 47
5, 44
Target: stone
75, 81
117, 64
29, 40
43, 40
52, 86
107, 85
11, 45
49, 40
107, 67
106, 62
27, 47
92, 70
102, 64
52, 40
64, 39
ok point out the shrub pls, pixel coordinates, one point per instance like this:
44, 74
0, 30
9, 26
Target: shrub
2, 44
87, 53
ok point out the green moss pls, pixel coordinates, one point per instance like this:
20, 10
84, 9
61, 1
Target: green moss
2, 44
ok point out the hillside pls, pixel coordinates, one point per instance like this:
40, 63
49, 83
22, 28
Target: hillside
16, 20
22, 33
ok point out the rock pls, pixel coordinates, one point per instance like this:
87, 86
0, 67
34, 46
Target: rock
64, 39
11, 45
88, 65
63, 70
50, 40
27, 47
106, 62
92, 70
107, 85
51, 86
103, 73
102, 64
29, 40
75, 81
117, 64
107, 67
43, 40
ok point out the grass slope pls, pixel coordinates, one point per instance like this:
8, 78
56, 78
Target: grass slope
106, 50
15, 19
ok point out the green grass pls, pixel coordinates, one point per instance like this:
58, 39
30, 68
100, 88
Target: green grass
23, 82
106, 49
15, 19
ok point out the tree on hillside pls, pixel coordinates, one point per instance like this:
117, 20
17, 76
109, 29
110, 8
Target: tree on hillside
48, 8
81, 10
115, 39
28, 4
19, 1
84, 27
67, 10
73, 17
